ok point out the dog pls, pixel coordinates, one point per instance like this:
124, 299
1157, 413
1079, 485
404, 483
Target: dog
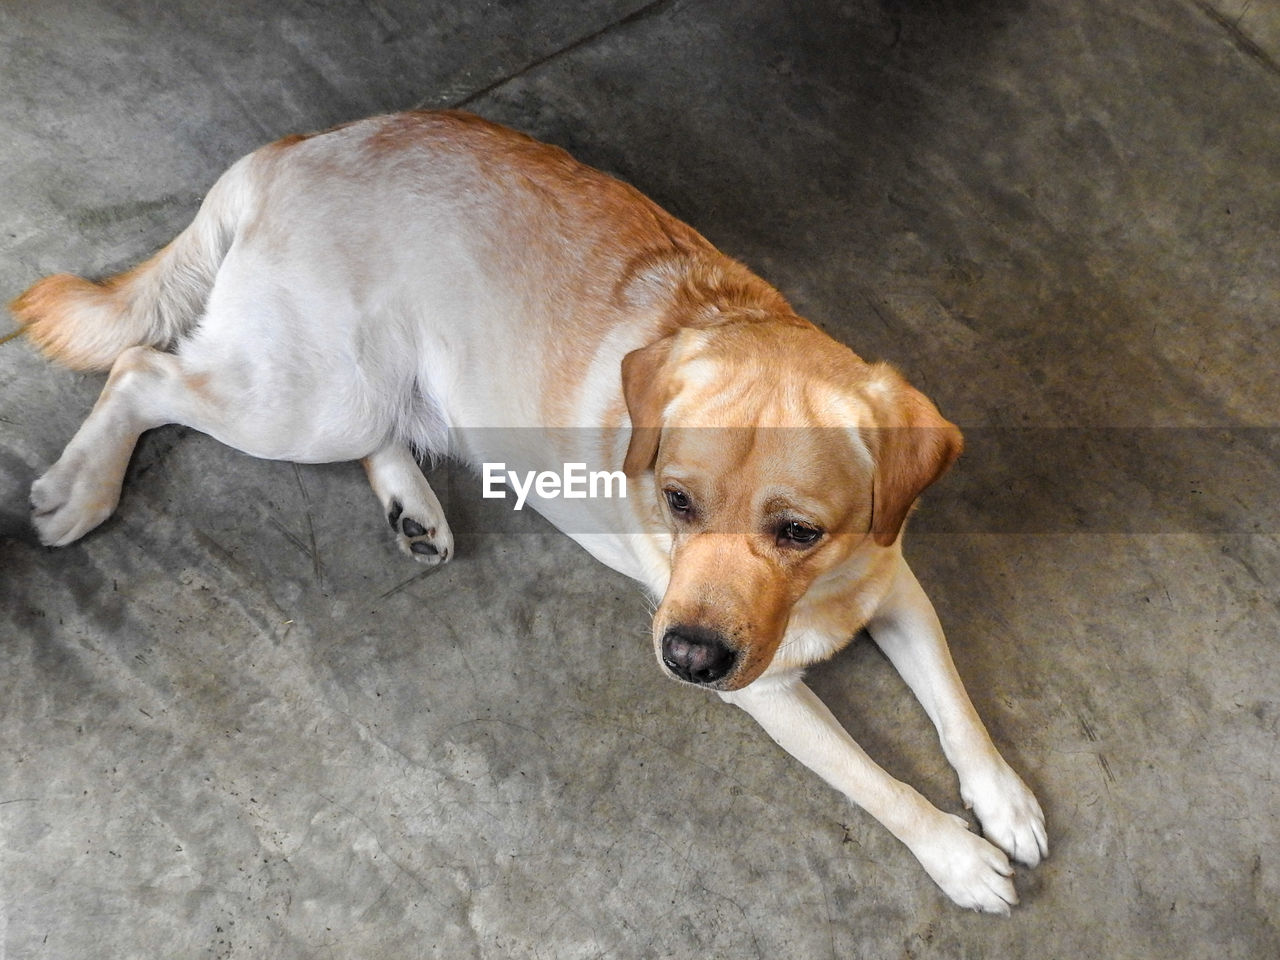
430, 283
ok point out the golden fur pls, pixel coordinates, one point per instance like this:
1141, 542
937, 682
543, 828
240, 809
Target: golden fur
431, 282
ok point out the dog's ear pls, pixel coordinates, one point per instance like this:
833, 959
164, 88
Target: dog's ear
912, 444
647, 390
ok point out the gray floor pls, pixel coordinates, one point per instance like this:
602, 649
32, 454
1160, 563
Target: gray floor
235, 722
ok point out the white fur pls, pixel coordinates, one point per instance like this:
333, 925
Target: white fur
358, 312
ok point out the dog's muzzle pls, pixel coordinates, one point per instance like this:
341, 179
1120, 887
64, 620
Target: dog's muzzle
696, 654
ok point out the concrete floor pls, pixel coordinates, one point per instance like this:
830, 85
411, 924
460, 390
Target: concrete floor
236, 722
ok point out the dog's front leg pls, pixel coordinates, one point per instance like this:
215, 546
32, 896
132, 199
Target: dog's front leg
970, 870
906, 628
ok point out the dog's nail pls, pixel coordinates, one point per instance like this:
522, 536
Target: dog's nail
412, 528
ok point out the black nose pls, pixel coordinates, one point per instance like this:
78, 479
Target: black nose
696, 654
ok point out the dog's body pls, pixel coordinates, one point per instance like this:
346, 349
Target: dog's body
430, 281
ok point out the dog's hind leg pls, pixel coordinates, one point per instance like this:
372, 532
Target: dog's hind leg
146, 388
411, 506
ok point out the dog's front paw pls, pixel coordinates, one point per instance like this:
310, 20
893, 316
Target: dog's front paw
1010, 815
422, 533
70, 500
969, 870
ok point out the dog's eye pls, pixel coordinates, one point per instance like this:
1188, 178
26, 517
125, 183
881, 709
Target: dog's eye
679, 502
798, 534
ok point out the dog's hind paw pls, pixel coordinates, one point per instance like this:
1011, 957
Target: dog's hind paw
412, 508
72, 498
426, 538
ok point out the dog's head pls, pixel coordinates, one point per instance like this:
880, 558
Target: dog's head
778, 458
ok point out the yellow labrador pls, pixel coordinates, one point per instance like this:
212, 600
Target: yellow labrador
432, 282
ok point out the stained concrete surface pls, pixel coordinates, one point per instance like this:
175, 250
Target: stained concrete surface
236, 722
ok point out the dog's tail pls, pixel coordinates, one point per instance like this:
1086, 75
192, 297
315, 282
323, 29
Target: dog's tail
86, 325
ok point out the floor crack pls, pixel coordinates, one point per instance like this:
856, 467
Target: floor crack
652, 8
1242, 41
